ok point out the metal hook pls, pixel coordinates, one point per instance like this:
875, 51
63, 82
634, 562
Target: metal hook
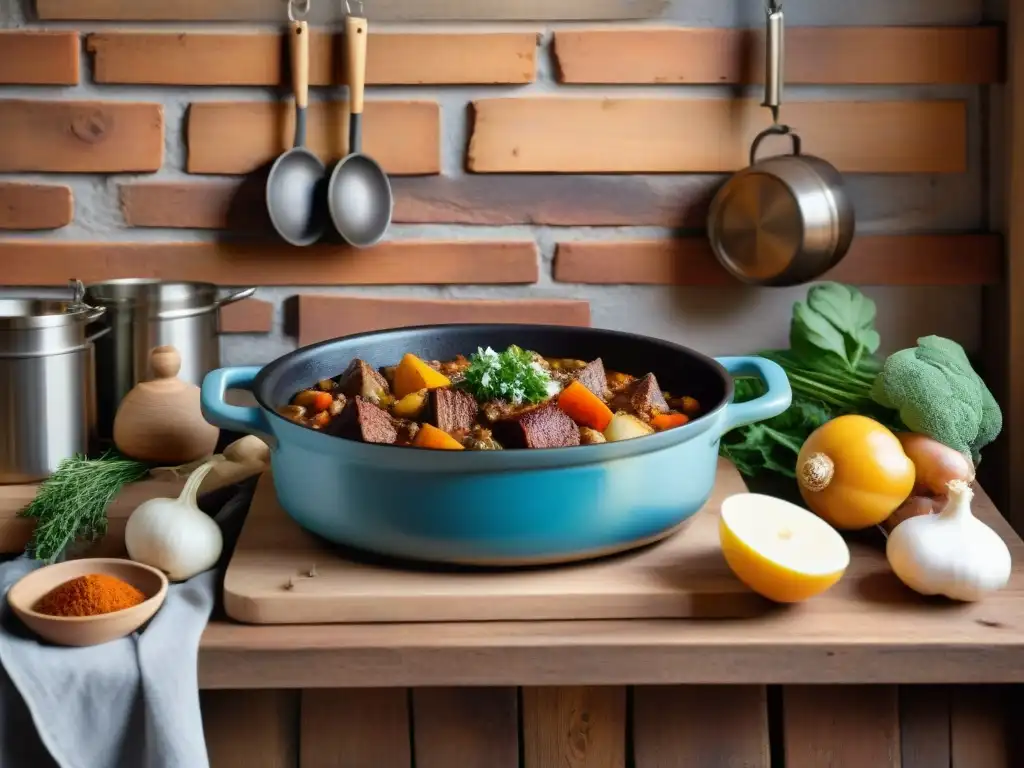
298, 9
359, 4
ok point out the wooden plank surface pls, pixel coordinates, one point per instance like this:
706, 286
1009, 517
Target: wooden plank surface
868, 629
574, 727
980, 723
248, 316
620, 135
841, 726
424, 262
685, 576
15, 531
872, 260
924, 725
251, 729
240, 137
379, 10
31, 57
355, 728
466, 727
327, 317
814, 55
259, 58
706, 726
80, 136
35, 206
1006, 307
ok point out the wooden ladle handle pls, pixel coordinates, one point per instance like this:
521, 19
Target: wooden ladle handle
355, 42
165, 362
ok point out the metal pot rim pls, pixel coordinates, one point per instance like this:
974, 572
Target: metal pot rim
196, 298
68, 314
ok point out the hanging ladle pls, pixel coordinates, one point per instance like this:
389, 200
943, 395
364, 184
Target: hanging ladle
294, 186
359, 195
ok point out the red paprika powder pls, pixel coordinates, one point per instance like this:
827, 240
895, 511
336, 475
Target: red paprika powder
90, 595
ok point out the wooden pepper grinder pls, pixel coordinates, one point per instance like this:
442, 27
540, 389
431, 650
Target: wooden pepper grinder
161, 421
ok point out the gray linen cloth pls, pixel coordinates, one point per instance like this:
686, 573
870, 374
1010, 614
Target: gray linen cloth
130, 703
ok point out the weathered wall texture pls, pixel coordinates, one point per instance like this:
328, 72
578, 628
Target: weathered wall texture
718, 318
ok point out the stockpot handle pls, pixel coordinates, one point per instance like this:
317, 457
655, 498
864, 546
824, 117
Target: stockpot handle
231, 298
775, 130
777, 398
216, 410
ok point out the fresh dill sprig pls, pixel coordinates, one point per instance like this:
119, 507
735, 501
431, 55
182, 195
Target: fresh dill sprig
513, 375
72, 503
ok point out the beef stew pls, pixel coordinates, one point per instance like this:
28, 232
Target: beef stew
489, 401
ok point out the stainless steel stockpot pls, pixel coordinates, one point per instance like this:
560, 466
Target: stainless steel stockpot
143, 314
46, 385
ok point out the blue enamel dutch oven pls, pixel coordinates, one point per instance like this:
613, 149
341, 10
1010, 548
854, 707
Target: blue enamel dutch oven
514, 507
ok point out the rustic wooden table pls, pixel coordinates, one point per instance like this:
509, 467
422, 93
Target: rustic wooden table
868, 675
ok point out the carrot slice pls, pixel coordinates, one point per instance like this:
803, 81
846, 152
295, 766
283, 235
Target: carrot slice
314, 400
431, 437
584, 407
664, 421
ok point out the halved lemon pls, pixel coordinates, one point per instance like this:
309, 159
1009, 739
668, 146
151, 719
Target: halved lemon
779, 550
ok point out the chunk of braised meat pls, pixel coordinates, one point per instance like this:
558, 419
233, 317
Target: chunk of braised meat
454, 367
478, 439
617, 382
590, 436
362, 420
406, 430
685, 404
502, 410
360, 379
546, 426
592, 376
452, 409
643, 397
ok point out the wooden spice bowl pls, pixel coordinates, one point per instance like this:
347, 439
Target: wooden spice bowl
87, 630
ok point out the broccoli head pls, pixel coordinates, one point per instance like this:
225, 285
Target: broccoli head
937, 393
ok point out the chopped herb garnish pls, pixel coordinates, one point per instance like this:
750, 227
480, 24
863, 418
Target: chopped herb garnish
513, 375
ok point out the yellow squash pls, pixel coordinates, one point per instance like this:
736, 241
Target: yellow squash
412, 375
853, 472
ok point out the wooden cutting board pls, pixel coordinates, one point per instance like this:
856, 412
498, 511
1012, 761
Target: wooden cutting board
268, 580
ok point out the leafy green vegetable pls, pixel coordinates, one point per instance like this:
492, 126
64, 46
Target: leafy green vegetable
831, 368
773, 445
513, 375
72, 503
938, 393
836, 325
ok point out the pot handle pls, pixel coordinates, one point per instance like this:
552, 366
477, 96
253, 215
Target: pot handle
231, 298
775, 130
99, 334
249, 420
773, 402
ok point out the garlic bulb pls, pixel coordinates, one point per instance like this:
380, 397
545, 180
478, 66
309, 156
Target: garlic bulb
952, 553
174, 535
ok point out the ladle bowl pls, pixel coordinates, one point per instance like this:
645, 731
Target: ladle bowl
359, 194
296, 179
